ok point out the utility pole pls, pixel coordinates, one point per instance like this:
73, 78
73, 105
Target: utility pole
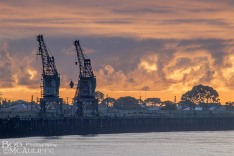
107, 100
31, 102
145, 94
140, 100
0, 98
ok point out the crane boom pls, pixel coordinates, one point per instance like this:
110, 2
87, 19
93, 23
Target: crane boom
80, 56
48, 63
84, 64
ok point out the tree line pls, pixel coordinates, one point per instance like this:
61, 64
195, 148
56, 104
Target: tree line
200, 95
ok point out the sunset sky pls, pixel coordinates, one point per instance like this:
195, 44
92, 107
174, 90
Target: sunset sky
152, 48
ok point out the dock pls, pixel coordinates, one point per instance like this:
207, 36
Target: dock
25, 127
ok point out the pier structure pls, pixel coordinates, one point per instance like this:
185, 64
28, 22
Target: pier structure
16, 127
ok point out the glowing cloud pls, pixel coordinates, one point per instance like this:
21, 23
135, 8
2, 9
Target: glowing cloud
162, 47
149, 64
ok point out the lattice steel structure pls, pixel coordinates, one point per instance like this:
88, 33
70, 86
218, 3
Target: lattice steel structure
50, 79
85, 91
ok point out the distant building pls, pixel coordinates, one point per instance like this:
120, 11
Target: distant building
187, 108
20, 105
17, 107
198, 108
221, 108
179, 107
153, 108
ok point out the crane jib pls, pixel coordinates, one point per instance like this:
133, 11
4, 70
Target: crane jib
50, 76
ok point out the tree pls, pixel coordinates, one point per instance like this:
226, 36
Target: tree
127, 102
168, 105
109, 101
186, 104
152, 101
99, 95
201, 94
229, 105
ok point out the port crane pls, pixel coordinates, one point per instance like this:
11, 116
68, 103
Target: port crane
85, 90
50, 79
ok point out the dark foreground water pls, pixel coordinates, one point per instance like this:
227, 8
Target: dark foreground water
218, 143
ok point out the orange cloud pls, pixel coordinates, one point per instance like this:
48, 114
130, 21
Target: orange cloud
171, 45
148, 19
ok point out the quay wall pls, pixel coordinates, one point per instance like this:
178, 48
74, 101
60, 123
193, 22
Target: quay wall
16, 127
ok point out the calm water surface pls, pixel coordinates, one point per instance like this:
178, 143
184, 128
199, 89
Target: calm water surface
219, 143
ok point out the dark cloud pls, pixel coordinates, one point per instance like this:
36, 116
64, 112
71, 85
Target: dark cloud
114, 21
117, 59
202, 10
182, 62
216, 47
131, 80
130, 10
16, 68
208, 76
70, 20
145, 88
26, 73
6, 75
217, 22
230, 82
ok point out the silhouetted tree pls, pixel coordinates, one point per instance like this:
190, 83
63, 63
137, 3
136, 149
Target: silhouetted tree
201, 94
109, 101
229, 105
99, 95
169, 105
186, 104
127, 102
152, 101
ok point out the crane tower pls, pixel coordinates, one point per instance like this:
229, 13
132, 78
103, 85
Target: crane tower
85, 91
50, 79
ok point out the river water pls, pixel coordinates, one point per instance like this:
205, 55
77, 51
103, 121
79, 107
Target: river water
206, 143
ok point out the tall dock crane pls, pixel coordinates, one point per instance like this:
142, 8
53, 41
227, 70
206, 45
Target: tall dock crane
85, 91
50, 79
